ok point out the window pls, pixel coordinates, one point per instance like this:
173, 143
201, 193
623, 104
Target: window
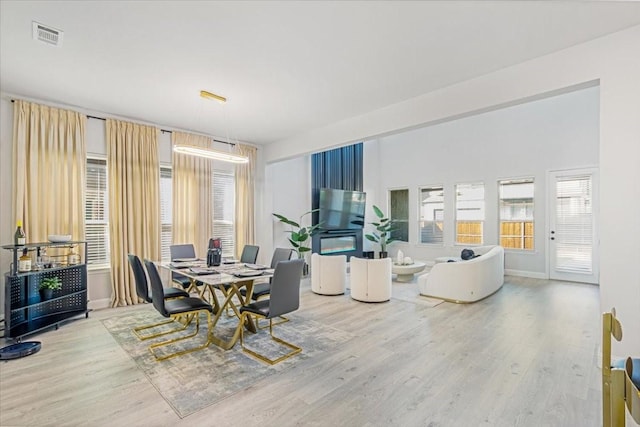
469, 213
166, 212
399, 202
224, 189
516, 214
96, 213
431, 214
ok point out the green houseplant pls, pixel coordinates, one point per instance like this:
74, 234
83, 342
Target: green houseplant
382, 235
48, 285
299, 234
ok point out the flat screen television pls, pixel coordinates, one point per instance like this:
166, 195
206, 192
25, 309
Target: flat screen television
341, 209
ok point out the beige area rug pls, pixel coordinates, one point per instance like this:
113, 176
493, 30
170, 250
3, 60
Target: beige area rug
196, 380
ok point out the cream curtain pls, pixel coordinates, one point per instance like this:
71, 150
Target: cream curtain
134, 202
192, 194
245, 196
49, 161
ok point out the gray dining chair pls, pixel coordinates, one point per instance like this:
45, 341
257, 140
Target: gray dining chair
142, 290
249, 254
174, 309
182, 251
261, 290
284, 298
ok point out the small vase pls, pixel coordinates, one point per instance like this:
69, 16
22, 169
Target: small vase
383, 254
46, 294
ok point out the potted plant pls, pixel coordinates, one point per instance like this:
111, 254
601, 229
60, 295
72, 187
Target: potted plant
299, 234
382, 235
48, 285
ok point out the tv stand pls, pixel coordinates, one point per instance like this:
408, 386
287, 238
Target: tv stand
338, 242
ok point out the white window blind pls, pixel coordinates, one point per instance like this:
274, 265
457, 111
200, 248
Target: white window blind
224, 189
469, 213
431, 214
574, 224
516, 213
166, 218
97, 213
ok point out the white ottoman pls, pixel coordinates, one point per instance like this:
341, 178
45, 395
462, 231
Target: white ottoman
370, 279
328, 274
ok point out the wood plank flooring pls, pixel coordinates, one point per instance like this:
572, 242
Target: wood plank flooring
526, 356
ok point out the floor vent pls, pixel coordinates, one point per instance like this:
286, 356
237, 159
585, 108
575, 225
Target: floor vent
47, 34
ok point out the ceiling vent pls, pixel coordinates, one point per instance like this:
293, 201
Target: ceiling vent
47, 35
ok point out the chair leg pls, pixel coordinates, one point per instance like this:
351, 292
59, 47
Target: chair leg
206, 344
183, 321
281, 321
294, 348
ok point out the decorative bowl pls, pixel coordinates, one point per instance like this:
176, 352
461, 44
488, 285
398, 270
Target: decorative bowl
59, 238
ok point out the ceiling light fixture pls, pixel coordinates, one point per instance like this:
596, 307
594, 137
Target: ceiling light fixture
209, 95
206, 152
210, 154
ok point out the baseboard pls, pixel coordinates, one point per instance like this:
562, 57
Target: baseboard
99, 304
524, 273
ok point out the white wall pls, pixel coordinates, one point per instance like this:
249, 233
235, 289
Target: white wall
612, 60
526, 140
288, 190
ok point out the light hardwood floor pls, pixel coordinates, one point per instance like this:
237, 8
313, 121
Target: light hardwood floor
526, 356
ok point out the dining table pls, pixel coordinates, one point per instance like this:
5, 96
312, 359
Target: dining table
228, 278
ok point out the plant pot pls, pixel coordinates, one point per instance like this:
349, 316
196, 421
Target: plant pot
305, 270
46, 294
383, 254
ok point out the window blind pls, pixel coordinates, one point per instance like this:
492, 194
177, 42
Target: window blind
166, 218
224, 189
97, 213
574, 224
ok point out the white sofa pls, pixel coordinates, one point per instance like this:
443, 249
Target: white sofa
328, 274
370, 279
466, 281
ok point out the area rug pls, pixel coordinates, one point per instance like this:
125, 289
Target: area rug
194, 381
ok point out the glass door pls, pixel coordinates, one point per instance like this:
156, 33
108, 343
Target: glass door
573, 241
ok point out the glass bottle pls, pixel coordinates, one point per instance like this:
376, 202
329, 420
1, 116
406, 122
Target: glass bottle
24, 262
44, 258
73, 258
19, 238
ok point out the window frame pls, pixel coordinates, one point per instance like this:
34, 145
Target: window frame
394, 219
165, 254
482, 209
226, 250
101, 161
524, 236
421, 220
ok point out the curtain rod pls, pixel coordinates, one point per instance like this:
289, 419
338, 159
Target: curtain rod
161, 130
165, 131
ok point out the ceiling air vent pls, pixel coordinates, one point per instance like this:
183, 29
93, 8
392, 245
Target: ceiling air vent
47, 34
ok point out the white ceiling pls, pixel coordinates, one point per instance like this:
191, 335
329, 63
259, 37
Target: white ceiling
285, 67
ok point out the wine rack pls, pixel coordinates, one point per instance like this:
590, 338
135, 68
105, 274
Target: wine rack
25, 312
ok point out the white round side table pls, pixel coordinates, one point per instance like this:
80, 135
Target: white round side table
405, 272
